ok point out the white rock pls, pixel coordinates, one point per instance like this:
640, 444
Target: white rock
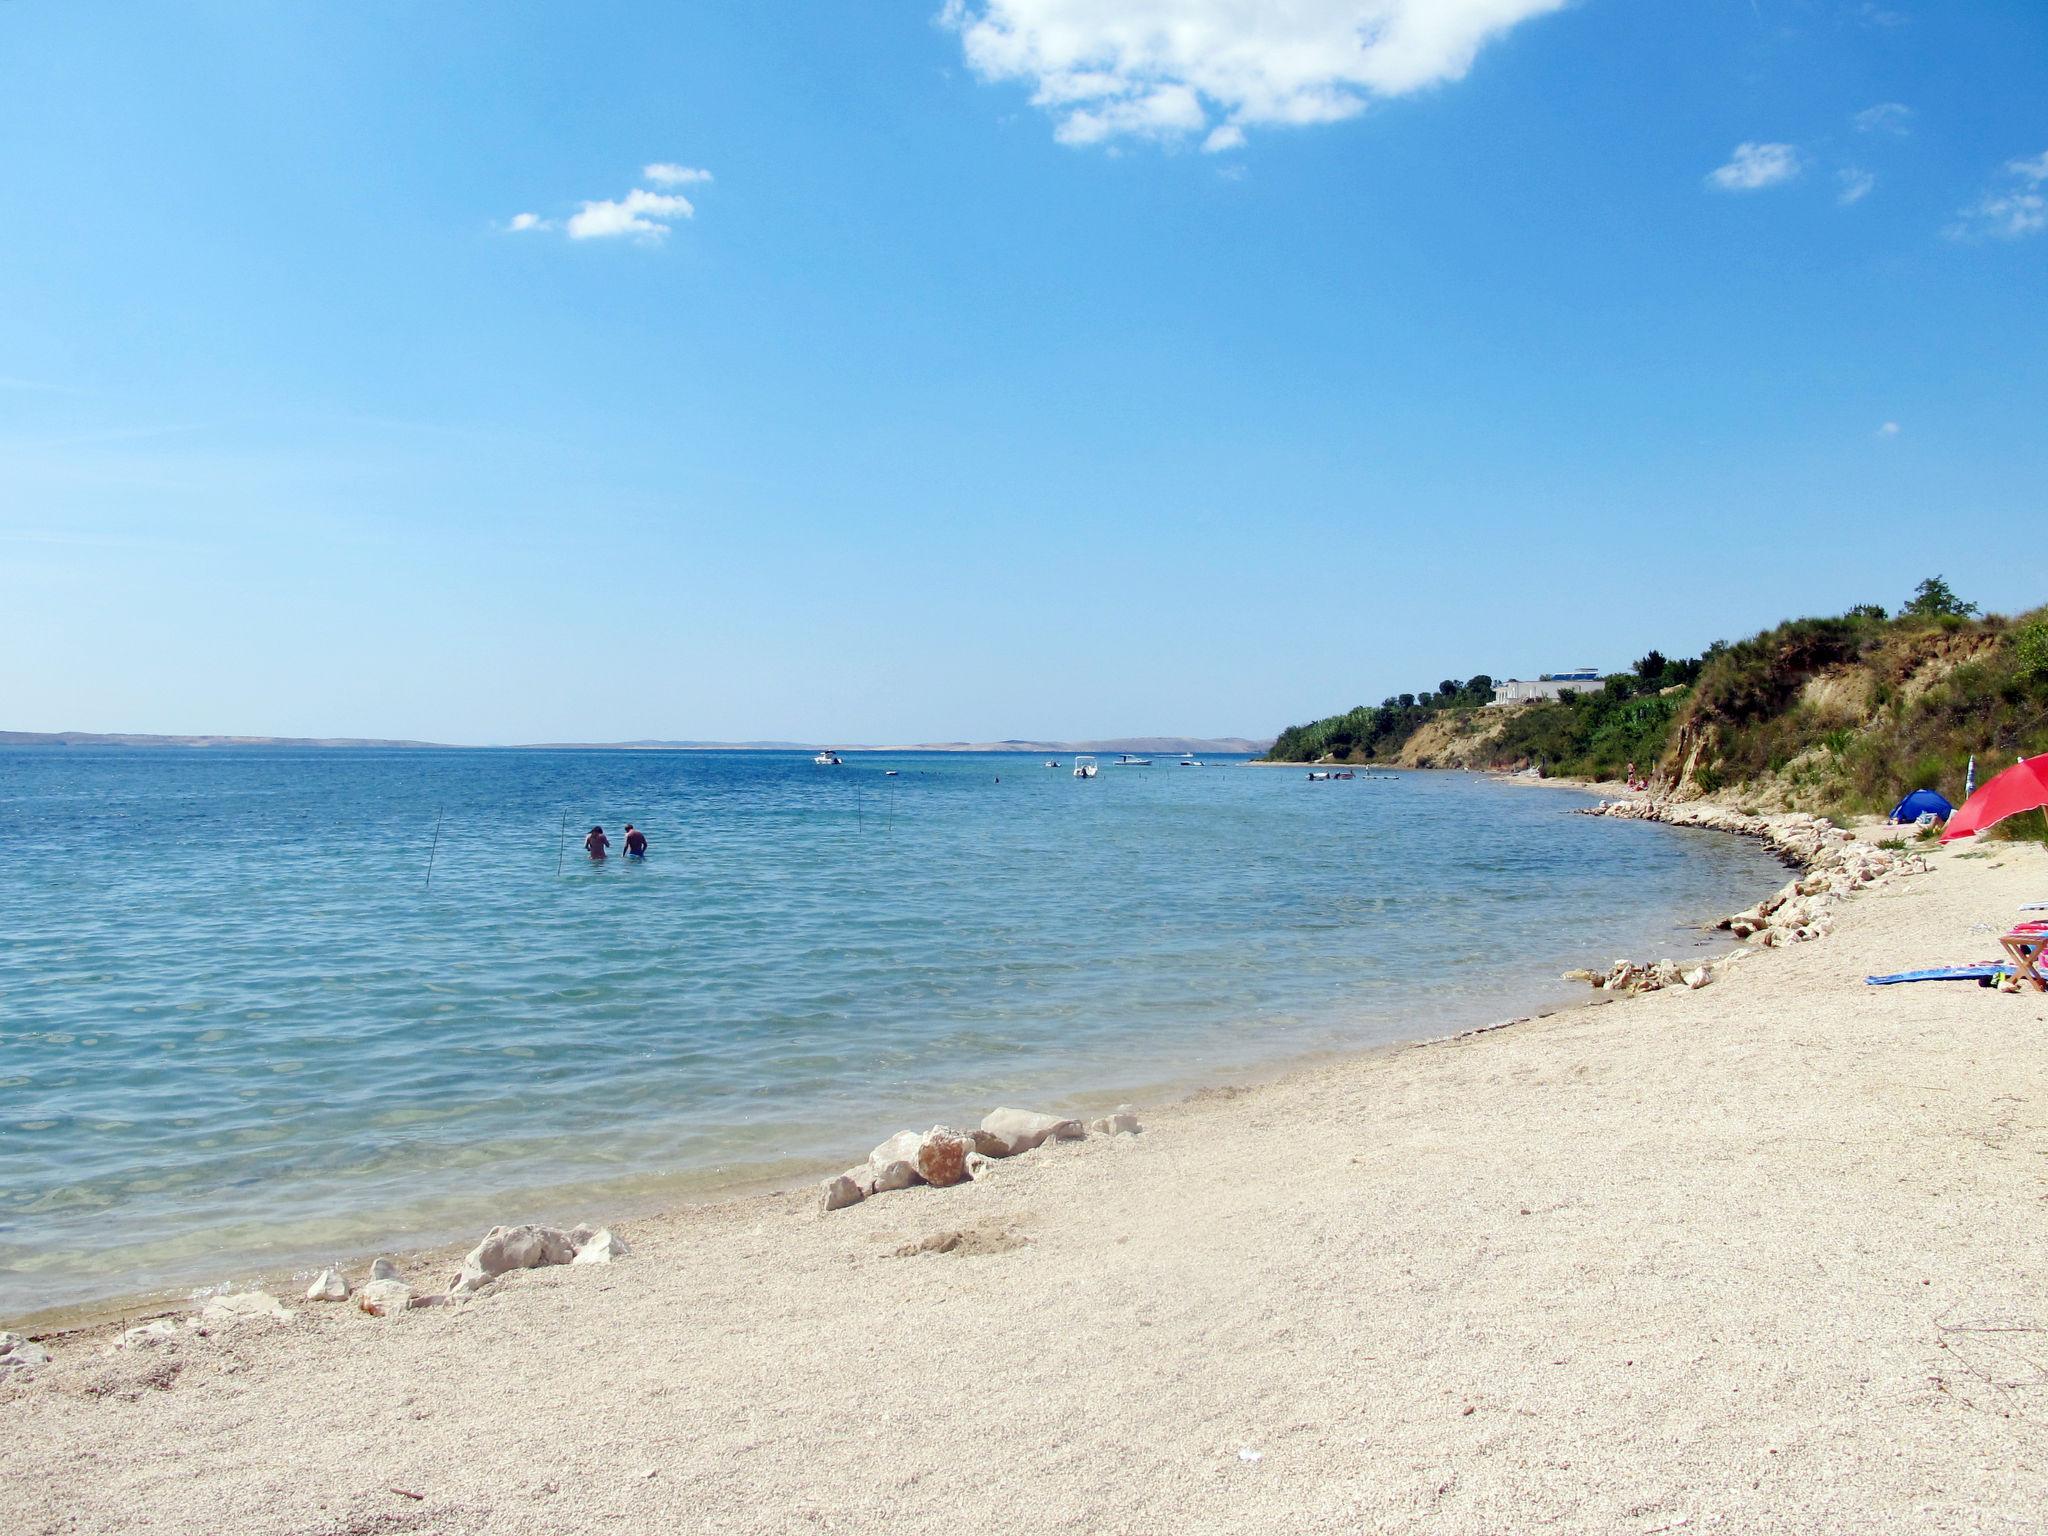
1019, 1130
1124, 1122
384, 1269
148, 1335
1698, 977
839, 1191
331, 1286
245, 1304
18, 1353
895, 1162
384, 1298
980, 1165
508, 1248
604, 1246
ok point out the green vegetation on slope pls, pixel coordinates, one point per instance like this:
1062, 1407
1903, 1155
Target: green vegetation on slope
1830, 714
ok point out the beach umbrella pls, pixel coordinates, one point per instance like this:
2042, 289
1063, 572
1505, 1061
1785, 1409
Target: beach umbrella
2022, 787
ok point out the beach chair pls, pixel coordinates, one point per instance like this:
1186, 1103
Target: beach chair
2024, 944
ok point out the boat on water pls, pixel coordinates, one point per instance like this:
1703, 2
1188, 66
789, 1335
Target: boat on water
1084, 767
1052, 762
1189, 760
829, 759
1127, 761
1326, 775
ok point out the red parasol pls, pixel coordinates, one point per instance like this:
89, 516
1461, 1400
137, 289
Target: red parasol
2020, 788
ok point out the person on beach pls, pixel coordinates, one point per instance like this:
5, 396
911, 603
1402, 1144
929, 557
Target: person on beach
597, 843
636, 842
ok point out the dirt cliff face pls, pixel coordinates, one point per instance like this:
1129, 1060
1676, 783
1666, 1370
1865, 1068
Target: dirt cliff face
1460, 739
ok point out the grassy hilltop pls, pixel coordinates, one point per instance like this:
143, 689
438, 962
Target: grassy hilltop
1828, 714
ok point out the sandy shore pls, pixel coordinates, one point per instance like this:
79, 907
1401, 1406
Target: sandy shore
1767, 1256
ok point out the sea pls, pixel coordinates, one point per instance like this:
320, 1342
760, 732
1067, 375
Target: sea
265, 1009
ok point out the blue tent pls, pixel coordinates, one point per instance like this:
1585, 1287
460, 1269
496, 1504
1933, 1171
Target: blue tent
1919, 803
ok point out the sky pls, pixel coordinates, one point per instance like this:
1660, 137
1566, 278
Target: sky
879, 372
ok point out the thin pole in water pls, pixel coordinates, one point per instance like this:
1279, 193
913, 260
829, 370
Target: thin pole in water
561, 842
434, 850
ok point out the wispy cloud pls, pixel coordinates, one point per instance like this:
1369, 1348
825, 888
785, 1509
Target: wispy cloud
1852, 185
664, 173
642, 214
1889, 429
2014, 207
1174, 70
1893, 117
1755, 166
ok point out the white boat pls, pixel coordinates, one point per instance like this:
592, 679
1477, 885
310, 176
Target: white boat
1052, 762
1127, 761
829, 759
1191, 761
1084, 767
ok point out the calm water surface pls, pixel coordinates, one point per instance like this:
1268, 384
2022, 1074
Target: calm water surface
239, 1030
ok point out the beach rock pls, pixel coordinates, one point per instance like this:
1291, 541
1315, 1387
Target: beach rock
942, 1156
1019, 1130
601, 1247
980, 1165
1591, 978
988, 1144
147, 1335
1698, 977
508, 1248
243, 1305
384, 1298
1123, 1122
840, 1191
329, 1287
19, 1354
384, 1269
895, 1162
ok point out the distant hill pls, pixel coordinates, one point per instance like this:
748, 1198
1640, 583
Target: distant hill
117, 739
1159, 744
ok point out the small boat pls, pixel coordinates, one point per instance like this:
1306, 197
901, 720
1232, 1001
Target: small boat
829, 759
1052, 762
1127, 761
1189, 760
888, 773
1084, 767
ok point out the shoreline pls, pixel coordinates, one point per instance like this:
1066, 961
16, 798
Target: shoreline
655, 1198
1548, 1273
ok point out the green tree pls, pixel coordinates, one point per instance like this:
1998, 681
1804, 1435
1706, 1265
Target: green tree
1650, 668
1869, 611
1934, 598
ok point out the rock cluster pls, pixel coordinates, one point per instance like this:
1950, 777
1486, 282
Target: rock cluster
505, 1249
1833, 864
943, 1156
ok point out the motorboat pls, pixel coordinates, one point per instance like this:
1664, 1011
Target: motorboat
1084, 767
1052, 762
1189, 760
1127, 761
829, 759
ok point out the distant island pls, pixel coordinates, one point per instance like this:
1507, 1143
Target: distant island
1224, 745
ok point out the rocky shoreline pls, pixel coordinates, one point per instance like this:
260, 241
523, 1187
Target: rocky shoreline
1833, 862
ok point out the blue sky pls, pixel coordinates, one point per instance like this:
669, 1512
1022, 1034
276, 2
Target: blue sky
1033, 367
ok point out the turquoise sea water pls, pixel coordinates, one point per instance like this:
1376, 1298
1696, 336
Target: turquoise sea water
240, 1031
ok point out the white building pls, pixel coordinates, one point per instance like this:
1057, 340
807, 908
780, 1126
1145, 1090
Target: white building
1550, 685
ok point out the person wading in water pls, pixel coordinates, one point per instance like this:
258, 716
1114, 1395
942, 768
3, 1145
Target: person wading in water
597, 843
636, 842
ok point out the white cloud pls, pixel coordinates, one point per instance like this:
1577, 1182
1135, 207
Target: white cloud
1889, 429
1892, 117
640, 212
2011, 211
1169, 69
1853, 185
664, 173
1755, 166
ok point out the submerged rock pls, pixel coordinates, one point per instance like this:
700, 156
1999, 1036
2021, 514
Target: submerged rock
1019, 1130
